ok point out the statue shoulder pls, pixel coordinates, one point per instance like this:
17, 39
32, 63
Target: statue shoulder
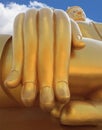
98, 25
88, 23
83, 23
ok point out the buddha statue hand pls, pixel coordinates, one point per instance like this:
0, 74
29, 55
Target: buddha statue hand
41, 54
52, 75
32, 42
46, 67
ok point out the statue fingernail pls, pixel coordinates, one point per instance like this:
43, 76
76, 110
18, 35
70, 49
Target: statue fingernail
46, 98
62, 91
12, 80
28, 94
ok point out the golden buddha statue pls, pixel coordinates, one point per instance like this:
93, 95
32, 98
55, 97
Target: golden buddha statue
35, 60
89, 28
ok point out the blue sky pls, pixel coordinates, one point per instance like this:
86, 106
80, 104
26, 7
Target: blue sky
10, 8
92, 8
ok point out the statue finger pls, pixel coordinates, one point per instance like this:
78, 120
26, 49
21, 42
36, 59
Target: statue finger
14, 77
77, 42
46, 57
29, 89
62, 55
56, 111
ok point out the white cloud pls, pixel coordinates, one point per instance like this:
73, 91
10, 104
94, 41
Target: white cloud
37, 4
9, 11
88, 20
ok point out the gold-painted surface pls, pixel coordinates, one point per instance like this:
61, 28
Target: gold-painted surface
33, 118
84, 74
88, 30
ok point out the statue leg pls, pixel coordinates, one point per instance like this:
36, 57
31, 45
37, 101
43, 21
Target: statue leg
29, 89
14, 76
